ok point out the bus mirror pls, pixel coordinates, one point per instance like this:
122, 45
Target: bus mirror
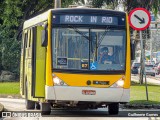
44, 38
132, 50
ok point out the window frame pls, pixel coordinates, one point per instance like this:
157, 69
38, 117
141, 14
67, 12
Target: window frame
88, 70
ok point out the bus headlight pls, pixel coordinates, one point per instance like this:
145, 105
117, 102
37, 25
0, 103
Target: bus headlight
118, 84
58, 82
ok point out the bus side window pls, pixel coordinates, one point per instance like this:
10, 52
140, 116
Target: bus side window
29, 35
30, 38
29, 43
22, 43
25, 40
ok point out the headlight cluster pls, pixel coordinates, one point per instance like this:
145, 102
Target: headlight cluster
58, 82
119, 83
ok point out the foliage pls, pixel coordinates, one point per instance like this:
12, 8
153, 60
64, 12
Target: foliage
98, 3
14, 13
152, 5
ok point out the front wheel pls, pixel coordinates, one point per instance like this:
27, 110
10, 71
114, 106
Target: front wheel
113, 108
45, 108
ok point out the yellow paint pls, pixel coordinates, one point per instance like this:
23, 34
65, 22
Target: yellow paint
44, 76
128, 58
40, 65
80, 80
49, 81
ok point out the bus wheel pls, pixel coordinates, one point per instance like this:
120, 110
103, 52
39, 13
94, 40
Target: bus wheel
29, 104
45, 108
113, 108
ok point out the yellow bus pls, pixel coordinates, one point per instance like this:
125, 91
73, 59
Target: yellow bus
76, 58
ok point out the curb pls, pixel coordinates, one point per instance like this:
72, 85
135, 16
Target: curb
1, 109
11, 96
140, 106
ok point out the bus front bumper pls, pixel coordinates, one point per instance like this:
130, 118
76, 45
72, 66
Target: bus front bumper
66, 93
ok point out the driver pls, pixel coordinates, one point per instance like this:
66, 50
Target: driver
104, 58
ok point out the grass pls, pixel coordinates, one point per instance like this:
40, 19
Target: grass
138, 94
9, 88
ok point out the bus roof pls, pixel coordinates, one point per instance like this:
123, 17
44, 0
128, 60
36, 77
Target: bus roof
83, 10
44, 16
35, 20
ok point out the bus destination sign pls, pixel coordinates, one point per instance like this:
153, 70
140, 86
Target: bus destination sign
89, 19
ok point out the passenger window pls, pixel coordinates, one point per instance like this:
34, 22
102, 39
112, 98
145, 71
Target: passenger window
26, 39
28, 43
22, 43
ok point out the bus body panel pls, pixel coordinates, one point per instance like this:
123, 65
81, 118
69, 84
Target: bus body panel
68, 93
36, 85
128, 58
44, 88
22, 67
49, 81
40, 66
81, 79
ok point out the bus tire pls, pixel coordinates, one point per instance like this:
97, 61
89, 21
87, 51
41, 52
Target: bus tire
45, 108
29, 104
113, 108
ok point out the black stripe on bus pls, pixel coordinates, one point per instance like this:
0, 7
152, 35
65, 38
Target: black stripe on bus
95, 72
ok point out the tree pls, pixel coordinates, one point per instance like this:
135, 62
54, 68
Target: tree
13, 14
98, 3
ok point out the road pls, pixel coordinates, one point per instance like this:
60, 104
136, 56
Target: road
60, 114
150, 79
13, 104
19, 105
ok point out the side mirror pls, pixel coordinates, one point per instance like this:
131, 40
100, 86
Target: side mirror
44, 37
133, 50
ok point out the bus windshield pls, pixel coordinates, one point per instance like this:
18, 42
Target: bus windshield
88, 49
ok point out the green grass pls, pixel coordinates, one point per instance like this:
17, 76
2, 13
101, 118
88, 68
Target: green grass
9, 88
138, 94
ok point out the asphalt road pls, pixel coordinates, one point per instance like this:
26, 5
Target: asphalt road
150, 79
13, 104
61, 114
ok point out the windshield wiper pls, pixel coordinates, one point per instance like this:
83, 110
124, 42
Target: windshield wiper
101, 39
79, 32
103, 35
98, 44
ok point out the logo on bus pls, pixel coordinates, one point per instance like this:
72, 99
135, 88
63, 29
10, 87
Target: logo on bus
61, 61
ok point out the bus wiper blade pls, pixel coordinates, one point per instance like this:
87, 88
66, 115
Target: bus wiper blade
100, 40
79, 32
103, 35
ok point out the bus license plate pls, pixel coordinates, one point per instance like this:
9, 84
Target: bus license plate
88, 92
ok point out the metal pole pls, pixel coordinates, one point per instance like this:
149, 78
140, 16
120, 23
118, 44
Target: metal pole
145, 74
151, 46
143, 57
57, 4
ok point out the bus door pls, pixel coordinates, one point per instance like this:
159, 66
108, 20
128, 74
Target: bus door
38, 61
